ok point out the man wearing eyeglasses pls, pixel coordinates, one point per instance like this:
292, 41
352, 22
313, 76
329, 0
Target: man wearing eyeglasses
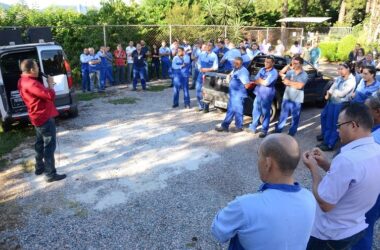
294, 81
350, 187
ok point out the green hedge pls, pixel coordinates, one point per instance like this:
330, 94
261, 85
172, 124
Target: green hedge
346, 45
329, 50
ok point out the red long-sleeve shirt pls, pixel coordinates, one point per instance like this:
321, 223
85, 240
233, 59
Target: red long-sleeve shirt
38, 99
120, 57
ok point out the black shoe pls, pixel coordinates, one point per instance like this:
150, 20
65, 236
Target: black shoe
324, 147
205, 111
56, 177
262, 135
221, 129
236, 130
174, 106
319, 137
39, 171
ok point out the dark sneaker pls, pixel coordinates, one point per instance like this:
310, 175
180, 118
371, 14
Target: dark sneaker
236, 130
56, 177
39, 171
174, 106
324, 147
221, 129
319, 137
262, 135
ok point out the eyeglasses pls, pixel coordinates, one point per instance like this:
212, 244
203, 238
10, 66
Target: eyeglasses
338, 125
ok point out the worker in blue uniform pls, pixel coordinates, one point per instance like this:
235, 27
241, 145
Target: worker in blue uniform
109, 71
265, 91
94, 69
220, 50
85, 71
139, 70
181, 72
103, 68
196, 52
230, 56
237, 91
164, 53
208, 62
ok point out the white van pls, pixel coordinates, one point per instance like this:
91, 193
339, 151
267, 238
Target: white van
52, 61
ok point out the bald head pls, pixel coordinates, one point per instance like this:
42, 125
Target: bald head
284, 150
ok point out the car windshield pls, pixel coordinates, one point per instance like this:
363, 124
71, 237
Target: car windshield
53, 62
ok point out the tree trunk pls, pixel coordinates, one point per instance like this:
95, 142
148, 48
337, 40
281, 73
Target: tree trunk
304, 7
342, 12
284, 37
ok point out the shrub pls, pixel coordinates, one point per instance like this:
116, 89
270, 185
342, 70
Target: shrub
345, 46
329, 50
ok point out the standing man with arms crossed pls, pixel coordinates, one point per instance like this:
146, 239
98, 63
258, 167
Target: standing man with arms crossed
120, 57
39, 101
94, 69
208, 62
164, 53
281, 214
265, 92
237, 91
351, 184
84, 59
295, 80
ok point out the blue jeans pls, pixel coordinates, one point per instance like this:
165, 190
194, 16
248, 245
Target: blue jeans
109, 75
94, 75
343, 244
156, 68
103, 77
195, 76
179, 81
234, 109
165, 68
329, 118
85, 80
45, 146
120, 72
261, 107
370, 218
198, 89
294, 108
139, 72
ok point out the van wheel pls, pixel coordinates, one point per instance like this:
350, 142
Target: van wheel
6, 126
73, 112
273, 113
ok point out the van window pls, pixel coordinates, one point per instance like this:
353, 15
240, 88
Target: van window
10, 63
53, 62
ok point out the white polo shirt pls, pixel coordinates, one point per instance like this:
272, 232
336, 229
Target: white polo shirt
352, 184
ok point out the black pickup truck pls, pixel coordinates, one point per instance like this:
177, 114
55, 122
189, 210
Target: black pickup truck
215, 86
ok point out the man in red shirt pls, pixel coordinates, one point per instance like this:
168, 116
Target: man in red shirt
39, 101
120, 57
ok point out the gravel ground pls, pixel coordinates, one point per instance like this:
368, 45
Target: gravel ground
140, 176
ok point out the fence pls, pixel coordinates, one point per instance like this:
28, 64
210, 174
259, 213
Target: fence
75, 38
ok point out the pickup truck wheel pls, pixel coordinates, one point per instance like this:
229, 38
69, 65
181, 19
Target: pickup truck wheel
73, 112
6, 126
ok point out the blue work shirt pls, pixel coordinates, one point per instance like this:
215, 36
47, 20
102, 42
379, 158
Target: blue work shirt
315, 54
268, 90
84, 59
239, 78
220, 52
342, 89
279, 216
253, 53
229, 58
181, 65
138, 59
246, 59
291, 93
376, 133
109, 59
362, 92
164, 50
103, 58
208, 60
94, 67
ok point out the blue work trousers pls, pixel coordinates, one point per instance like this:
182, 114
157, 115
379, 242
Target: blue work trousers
347, 243
329, 119
370, 218
139, 72
120, 72
109, 75
234, 110
85, 80
103, 77
165, 68
94, 78
198, 89
261, 107
294, 108
45, 146
195, 76
179, 81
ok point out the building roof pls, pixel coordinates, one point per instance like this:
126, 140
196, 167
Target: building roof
304, 19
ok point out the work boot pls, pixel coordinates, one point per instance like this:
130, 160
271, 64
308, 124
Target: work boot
221, 129
319, 137
56, 177
236, 130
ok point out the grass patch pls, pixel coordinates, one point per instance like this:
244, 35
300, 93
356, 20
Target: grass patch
11, 213
79, 211
28, 166
90, 96
125, 100
13, 138
3, 163
157, 88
